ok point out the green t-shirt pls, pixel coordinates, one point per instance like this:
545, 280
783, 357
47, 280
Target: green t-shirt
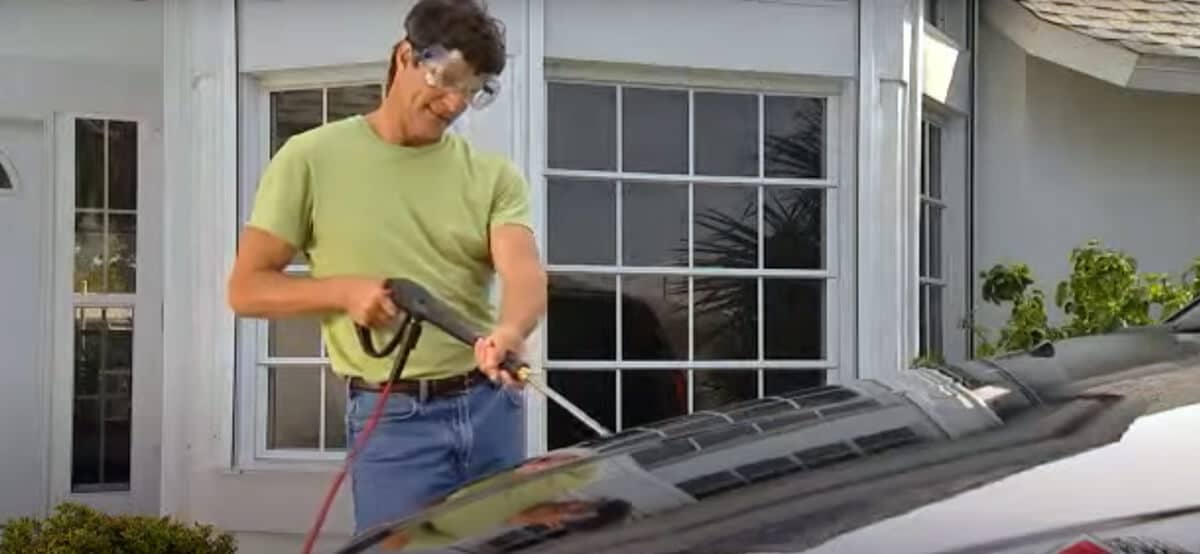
356, 205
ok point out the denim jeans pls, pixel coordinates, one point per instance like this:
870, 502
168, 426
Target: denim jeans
421, 451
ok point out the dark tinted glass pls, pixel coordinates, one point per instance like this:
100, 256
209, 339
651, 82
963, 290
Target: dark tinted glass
726, 318
654, 134
582, 127
794, 145
581, 321
582, 222
726, 134
726, 226
654, 224
793, 228
654, 315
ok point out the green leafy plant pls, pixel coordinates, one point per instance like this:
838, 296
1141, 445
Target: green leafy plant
1104, 292
74, 528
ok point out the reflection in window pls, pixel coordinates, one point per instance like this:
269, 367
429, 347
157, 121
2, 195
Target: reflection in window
933, 207
101, 432
106, 180
104, 286
666, 209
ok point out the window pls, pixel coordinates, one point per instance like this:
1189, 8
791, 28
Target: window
933, 283
710, 214
299, 404
7, 174
105, 286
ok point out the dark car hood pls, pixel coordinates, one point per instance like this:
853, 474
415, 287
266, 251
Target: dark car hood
835, 465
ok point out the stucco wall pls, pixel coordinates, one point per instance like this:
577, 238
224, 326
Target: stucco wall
816, 37
1064, 158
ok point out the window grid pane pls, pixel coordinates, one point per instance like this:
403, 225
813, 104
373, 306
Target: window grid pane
931, 329
665, 297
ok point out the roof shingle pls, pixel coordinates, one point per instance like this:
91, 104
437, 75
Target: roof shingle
1159, 27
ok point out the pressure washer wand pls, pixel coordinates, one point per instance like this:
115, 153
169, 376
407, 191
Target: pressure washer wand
414, 300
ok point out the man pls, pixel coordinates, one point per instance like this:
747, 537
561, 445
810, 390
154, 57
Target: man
393, 194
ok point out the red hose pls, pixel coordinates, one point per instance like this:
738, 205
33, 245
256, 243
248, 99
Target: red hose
376, 412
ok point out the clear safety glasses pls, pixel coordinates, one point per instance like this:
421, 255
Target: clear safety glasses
447, 69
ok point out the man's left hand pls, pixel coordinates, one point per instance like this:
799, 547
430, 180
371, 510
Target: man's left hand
492, 349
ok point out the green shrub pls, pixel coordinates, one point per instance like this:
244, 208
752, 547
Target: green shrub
73, 528
1103, 293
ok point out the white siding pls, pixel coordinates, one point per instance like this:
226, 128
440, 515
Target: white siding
813, 37
1065, 158
94, 31
317, 33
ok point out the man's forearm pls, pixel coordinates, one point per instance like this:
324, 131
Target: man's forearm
268, 294
523, 300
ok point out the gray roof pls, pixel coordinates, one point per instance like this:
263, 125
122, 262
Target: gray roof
1158, 27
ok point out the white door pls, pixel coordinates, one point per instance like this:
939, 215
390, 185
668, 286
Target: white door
24, 412
108, 318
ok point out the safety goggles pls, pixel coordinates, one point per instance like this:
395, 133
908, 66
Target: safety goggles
448, 70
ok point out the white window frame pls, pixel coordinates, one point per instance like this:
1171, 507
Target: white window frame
252, 334
840, 212
953, 178
142, 494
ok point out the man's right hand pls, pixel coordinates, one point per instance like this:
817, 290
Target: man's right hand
367, 301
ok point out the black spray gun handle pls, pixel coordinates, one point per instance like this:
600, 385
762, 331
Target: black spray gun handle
418, 305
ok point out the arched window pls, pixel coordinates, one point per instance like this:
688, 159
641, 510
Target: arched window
8, 175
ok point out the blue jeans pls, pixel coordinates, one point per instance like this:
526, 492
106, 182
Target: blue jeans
421, 451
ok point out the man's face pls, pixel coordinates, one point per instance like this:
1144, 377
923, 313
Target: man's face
426, 110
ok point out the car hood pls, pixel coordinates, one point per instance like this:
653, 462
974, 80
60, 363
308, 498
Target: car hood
865, 466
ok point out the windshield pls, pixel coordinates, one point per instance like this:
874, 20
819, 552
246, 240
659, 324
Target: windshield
806, 466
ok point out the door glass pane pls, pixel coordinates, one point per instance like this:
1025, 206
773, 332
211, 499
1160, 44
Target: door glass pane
122, 253
90, 262
122, 165
103, 394
89, 163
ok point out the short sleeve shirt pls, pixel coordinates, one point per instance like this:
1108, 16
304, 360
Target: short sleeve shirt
357, 205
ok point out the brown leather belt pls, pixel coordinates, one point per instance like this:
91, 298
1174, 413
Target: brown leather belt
425, 388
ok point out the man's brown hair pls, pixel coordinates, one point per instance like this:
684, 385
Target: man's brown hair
465, 25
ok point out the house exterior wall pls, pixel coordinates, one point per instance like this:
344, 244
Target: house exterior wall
94, 60
1064, 158
283, 46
